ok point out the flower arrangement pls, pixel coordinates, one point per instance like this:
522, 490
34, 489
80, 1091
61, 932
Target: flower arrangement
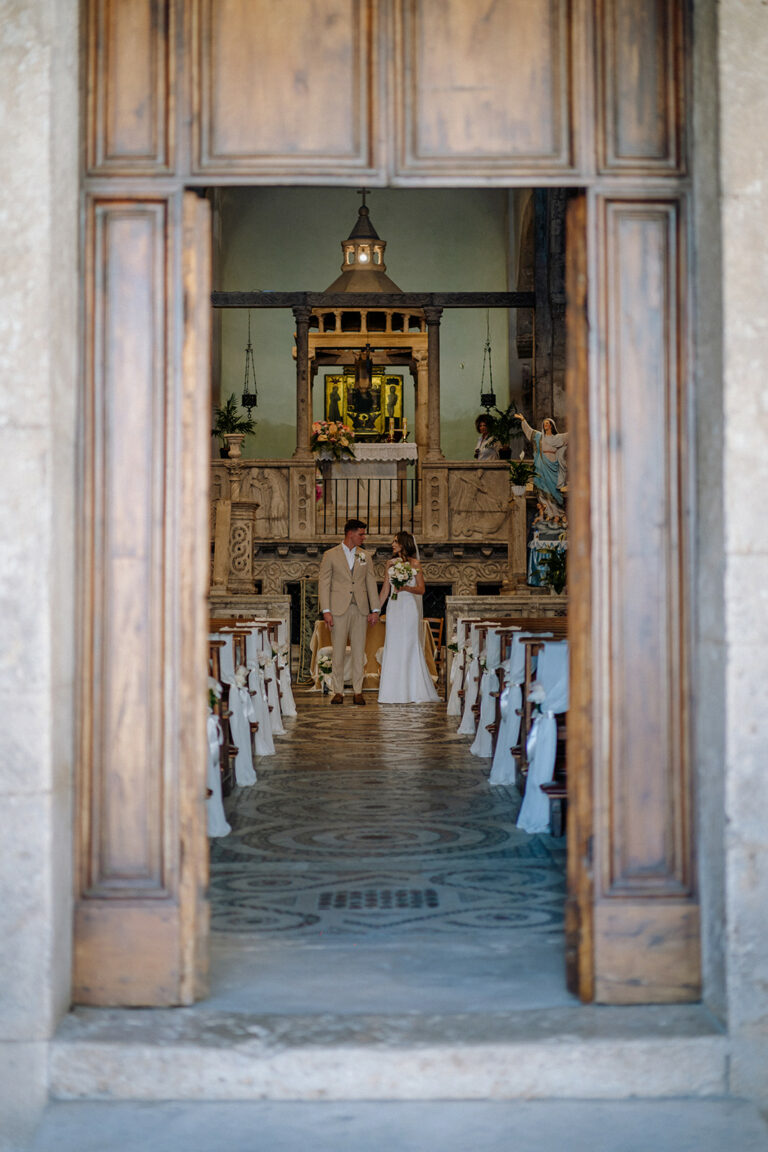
330, 436
453, 644
399, 575
325, 668
555, 562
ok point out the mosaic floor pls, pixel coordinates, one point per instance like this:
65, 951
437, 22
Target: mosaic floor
378, 822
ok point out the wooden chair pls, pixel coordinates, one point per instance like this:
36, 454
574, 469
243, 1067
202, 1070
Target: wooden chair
435, 624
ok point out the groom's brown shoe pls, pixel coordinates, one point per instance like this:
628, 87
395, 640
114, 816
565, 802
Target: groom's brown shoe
337, 699
358, 698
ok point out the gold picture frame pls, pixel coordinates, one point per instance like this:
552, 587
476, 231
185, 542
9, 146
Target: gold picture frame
372, 411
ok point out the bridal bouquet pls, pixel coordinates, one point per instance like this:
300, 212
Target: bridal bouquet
330, 436
399, 575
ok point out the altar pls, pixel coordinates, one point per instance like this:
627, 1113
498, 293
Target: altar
375, 461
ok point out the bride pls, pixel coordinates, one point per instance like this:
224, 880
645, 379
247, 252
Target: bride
405, 678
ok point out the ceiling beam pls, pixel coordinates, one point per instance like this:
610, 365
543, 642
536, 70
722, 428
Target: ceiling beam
373, 300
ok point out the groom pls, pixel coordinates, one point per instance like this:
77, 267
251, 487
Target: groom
349, 601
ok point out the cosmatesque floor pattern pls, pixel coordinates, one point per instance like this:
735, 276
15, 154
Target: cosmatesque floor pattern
377, 822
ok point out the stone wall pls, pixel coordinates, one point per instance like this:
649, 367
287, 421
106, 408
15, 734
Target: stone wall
743, 50
38, 357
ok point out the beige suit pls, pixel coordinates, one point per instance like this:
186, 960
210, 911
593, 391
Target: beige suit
349, 596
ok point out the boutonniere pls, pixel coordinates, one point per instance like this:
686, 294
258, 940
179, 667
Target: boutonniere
361, 559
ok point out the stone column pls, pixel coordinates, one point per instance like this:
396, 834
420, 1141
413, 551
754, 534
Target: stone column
303, 396
517, 566
432, 316
240, 575
422, 400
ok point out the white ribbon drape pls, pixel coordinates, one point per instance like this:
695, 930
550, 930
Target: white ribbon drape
482, 745
241, 714
214, 806
457, 671
541, 746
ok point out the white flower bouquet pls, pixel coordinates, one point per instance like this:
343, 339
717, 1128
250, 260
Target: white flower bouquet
399, 575
325, 668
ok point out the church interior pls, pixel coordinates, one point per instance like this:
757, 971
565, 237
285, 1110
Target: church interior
371, 411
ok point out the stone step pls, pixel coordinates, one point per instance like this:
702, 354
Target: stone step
567, 1053
451, 1126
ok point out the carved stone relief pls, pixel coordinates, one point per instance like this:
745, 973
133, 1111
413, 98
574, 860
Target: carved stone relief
477, 499
268, 487
462, 575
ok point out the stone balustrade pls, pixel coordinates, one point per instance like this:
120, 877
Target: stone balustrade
275, 505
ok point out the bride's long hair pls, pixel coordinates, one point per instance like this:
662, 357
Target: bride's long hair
408, 549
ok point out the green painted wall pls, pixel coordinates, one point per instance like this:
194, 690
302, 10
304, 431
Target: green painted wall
284, 239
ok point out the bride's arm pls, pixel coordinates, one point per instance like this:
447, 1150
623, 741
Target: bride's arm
385, 589
419, 587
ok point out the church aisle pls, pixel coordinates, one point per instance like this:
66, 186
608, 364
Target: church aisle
373, 838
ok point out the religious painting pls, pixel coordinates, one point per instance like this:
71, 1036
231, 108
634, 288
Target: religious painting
372, 408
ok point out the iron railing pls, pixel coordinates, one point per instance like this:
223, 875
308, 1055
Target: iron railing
386, 505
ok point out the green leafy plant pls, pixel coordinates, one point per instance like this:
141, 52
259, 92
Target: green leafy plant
228, 418
520, 472
555, 563
503, 424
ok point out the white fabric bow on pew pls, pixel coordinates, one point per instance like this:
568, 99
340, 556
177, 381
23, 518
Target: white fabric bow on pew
241, 713
541, 746
504, 770
482, 745
214, 807
457, 670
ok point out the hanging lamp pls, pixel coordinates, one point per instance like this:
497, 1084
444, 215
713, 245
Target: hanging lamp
249, 399
487, 399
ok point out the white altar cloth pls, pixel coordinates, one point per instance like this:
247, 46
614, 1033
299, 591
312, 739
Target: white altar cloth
375, 461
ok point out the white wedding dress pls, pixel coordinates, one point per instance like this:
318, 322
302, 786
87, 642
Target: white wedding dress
405, 678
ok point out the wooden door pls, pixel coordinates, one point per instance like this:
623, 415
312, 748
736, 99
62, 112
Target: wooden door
185, 93
140, 914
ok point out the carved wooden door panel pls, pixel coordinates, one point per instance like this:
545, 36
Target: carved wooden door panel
140, 915
632, 911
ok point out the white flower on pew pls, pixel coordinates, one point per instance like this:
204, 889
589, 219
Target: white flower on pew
537, 695
265, 659
214, 693
241, 677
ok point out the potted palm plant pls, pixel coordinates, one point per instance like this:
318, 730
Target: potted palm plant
231, 426
520, 472
504, 426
